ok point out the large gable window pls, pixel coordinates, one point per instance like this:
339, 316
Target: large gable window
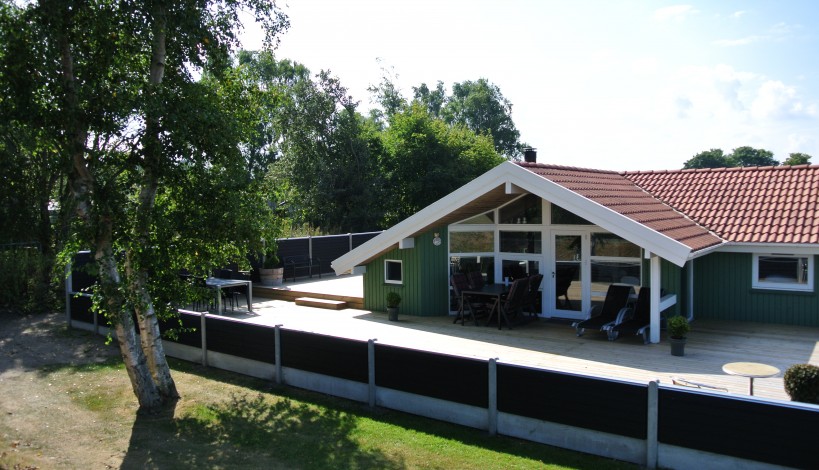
783, 272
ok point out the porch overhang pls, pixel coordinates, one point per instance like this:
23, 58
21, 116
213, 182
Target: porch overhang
496, 187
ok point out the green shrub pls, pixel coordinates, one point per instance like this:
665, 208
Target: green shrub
678, 326
22, 277
802, 383
393, 299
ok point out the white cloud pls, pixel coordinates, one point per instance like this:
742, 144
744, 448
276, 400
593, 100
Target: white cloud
739, 42
674, 13
775, 100
738, 14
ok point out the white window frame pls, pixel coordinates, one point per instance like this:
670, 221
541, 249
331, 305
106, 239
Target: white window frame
786, 286
386, 271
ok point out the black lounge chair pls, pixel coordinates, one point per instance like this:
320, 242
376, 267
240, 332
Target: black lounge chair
612, 312
637, 322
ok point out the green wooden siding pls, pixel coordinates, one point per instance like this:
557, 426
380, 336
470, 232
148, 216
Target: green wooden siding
425, 290
672, 281
722, 291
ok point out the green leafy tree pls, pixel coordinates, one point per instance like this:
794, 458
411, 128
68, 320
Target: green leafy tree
713, 158
332, 177
749, 156
387, 96
797, 158
433, 100
481, 107
424, 159
153, 158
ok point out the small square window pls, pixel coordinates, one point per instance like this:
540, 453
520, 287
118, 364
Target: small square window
783, 272
393, 272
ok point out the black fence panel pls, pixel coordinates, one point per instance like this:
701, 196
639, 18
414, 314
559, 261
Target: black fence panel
257, 342
80, 278
293, 247
452, 378
328, 355
592, 403
739, 427
329, 248
81, 309
362, 238
186, 329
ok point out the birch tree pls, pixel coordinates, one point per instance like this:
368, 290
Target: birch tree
152, 155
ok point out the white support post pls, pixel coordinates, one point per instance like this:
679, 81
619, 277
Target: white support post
656, 283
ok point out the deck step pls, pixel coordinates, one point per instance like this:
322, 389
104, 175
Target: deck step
321, 303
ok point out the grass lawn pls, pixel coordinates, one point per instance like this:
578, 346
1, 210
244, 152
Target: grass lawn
84, 416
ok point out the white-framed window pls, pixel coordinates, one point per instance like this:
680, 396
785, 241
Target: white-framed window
783, 272
393, 271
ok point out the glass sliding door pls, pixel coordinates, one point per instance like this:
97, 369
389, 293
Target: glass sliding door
567, 293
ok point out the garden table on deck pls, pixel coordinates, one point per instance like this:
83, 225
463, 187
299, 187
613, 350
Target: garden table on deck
218, 283
751, 370
493, 293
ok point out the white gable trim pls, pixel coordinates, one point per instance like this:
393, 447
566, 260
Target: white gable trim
511, 175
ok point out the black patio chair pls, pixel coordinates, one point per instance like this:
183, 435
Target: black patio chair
533, 295
564, 276
509, 308
612, 311
466, 305
637, 321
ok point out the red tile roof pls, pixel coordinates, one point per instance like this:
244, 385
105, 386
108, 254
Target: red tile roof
618, 193
748, 205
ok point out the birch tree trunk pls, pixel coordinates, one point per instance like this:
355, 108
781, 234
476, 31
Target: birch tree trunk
82, 183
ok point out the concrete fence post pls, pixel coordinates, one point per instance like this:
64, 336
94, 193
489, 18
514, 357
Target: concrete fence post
68, 287
371, 372
493, 397
277, 340
203, 321
651, 425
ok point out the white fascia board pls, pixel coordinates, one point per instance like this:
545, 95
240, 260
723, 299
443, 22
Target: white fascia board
511, 175
633, 231
765, 248
437, 210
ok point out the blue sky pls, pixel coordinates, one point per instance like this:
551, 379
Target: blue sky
620, 85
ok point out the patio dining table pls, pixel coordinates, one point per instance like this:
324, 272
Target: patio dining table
219, 283
492, 293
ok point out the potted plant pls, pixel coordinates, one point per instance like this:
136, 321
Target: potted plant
678, 328
271, 272
393, 300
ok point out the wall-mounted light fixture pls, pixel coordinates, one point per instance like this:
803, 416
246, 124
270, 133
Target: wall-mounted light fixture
436, 239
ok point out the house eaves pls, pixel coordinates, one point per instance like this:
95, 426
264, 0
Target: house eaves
497, 186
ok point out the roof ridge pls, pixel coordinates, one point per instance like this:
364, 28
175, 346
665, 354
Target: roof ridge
547, 166
720, 170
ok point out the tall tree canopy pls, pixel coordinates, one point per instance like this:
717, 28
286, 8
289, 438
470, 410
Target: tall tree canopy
713, 158
797, 158
153, 158
424, 160
741, 156
481, 107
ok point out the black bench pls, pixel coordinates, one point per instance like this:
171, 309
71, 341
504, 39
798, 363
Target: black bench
304, 265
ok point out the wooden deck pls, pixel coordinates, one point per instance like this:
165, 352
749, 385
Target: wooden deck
553, 345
